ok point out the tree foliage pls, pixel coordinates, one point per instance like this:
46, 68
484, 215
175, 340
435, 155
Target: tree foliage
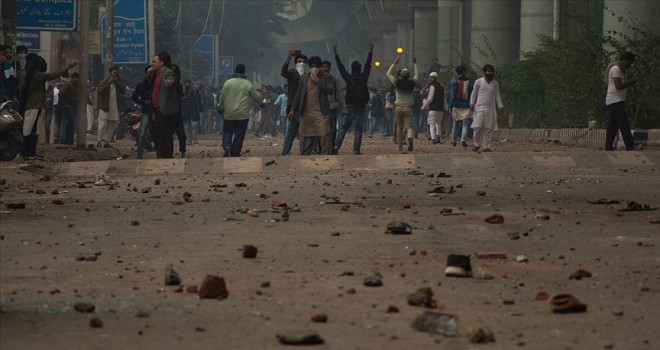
561, 84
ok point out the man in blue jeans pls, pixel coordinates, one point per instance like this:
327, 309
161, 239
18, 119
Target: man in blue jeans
357, 97
235, 103
292, 76
460, 91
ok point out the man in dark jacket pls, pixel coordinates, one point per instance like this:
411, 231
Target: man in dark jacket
68, 101
357, 97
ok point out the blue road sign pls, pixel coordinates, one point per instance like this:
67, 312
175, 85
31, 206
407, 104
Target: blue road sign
226, 65
130, 36
29, 38
50, 16
206, 44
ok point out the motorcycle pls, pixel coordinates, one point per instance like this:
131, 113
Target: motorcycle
11, 131
132, 117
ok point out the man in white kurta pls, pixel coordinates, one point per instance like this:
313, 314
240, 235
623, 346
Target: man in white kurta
484, 102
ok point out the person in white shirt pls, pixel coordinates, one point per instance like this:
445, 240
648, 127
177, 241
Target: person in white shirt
615, 100
436, 103
483, 103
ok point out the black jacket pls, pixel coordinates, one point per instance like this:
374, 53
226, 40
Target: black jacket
357, 89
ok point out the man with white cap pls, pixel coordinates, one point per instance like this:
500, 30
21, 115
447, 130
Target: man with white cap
436, 103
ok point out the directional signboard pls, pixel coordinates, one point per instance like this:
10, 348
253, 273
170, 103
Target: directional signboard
226, 65
54, 15
206, 44
130, 35
28, 38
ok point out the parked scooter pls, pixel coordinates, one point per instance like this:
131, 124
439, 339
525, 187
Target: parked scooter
11, 131
132, 116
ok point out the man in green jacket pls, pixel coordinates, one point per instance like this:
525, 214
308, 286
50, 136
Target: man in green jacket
235, 103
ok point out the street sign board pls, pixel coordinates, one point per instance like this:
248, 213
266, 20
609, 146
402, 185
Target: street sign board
130, 35
226, 65
50, 16
28, 38
206, 45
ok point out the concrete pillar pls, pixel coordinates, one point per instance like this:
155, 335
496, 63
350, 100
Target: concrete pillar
536, 18
495, 32
389, 47
449, 51
426, 20
647, 12
403, 39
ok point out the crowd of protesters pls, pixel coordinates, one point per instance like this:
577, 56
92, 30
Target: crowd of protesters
313, 105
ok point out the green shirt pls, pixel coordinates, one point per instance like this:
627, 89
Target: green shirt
235, 98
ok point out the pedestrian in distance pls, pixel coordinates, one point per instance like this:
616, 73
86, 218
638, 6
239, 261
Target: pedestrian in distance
235, 103
165, 105
460, 91
404, 84
292, 76
357, 97
33, 104
484, 102
436, 103
312, 108
615, 100
109, 92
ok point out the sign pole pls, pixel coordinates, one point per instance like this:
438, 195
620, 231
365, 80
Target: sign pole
152, 30
109, 34
83, 63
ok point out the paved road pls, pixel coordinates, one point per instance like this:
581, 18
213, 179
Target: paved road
315, 262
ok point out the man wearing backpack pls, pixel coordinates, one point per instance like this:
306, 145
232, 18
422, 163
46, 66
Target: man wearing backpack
460, 90
357, 97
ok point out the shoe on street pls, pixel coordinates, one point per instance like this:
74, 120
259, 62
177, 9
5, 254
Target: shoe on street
458, 266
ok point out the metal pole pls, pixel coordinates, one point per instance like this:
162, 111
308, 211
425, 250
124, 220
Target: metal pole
152, 30
109, 34
83, 63
555, 23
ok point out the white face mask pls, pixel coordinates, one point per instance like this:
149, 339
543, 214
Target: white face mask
314, 71
300, 67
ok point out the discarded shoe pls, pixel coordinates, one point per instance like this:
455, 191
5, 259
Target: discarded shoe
602, 201
398, 228
634, 206
566, 304
458, 266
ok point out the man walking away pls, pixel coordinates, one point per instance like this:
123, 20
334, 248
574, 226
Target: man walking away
404, 86
615, 100
357, 97
483, 103
235, 102
460, 91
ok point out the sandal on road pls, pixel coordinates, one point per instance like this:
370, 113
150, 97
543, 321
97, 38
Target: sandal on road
566, 304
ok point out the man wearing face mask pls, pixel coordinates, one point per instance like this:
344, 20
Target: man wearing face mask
311, 107
483, 103
293, 79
